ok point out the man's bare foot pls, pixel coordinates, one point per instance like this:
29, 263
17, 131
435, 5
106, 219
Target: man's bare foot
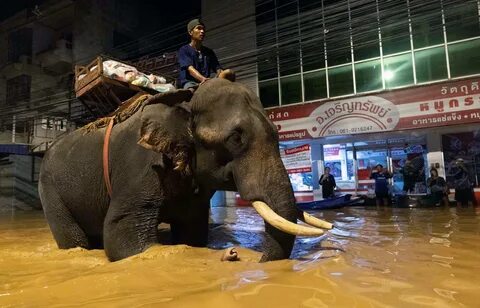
230, 255
228, 74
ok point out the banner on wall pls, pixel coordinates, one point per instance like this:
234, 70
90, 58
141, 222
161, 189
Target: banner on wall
297, 159
421, 107
298, 163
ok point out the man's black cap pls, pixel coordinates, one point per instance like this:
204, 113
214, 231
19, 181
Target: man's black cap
193, 23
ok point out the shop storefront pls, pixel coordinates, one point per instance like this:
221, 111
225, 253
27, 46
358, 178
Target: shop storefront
428, 126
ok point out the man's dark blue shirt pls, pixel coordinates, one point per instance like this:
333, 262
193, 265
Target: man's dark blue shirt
204, 61
381, 182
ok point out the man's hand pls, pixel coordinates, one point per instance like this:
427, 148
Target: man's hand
196, 74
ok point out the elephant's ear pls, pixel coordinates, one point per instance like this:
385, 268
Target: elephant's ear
165, 129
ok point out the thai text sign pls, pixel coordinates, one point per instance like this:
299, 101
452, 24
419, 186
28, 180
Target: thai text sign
298, 159
427, 106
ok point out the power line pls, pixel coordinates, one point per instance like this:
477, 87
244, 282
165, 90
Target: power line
307, 28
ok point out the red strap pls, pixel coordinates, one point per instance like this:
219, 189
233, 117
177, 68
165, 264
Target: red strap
106, 169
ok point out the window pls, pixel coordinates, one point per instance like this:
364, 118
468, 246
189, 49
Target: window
427, 27
313, 56
339, 158
394, 26
337, 29
365, 29
267, 64
269, 93
19, 44
265, 12
464, 58
289, 49
461, 19
312, 35
340, 80
459, 145
291, 89
315, 84
368, 76
266, 38
18, 89
289, 57
431, 64
398, 70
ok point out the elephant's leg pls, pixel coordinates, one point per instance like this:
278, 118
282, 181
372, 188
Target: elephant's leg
129, 228
193, 231
65, 229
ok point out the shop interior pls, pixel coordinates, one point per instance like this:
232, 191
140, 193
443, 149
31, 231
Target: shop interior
352, 158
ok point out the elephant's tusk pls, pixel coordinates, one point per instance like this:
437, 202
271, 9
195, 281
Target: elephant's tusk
313, 221
281, 223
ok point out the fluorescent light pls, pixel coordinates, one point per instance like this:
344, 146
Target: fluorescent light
388, 75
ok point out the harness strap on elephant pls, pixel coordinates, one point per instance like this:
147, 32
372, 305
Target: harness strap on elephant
106, 167
123, 112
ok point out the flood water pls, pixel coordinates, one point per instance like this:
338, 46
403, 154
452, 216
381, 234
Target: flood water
374, 258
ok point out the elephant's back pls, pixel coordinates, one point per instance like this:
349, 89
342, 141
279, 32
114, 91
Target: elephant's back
74, 155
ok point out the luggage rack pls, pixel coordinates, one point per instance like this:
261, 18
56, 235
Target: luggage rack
101, 94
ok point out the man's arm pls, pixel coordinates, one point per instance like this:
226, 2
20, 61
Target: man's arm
196, 74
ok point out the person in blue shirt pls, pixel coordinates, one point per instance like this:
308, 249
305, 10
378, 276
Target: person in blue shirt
381, 177
199, 63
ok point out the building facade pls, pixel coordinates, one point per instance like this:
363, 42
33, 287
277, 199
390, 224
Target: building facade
360, 83
374, 82
37, 102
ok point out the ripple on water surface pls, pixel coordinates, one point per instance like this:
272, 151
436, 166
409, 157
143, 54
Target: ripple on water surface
374, 257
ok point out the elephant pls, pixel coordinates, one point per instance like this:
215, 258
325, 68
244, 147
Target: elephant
167, 154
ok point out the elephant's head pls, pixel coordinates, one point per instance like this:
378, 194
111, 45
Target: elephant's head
236, 148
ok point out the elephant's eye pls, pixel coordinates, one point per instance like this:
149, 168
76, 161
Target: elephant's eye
235, 139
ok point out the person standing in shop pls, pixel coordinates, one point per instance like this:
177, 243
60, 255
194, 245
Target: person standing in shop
463, 185
409, 176
438, 187
328, 184
381, 177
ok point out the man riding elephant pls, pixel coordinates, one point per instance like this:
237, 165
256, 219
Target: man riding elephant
165, 157
199, 63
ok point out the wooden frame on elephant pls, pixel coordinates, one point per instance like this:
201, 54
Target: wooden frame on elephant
99, 94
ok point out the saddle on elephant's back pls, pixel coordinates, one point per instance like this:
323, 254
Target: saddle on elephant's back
132, 105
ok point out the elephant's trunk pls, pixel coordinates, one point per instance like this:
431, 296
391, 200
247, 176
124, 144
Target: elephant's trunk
269, 183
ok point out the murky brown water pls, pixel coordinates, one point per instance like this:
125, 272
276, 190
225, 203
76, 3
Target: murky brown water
375, 258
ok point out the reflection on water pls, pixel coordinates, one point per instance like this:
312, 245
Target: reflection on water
374, 257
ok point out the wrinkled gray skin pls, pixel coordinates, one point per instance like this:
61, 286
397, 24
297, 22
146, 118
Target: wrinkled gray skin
230, 145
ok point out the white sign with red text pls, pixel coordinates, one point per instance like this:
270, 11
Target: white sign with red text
298, 159
427, 106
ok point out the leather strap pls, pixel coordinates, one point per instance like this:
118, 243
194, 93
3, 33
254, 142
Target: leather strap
106, 168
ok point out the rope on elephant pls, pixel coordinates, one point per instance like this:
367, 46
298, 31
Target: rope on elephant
119, 115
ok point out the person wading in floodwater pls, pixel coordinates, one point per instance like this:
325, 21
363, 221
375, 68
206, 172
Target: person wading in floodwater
328, 184
381, 177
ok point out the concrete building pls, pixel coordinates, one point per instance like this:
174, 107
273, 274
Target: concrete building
37, 103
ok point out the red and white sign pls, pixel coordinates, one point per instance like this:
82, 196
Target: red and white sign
298, 159
428, 106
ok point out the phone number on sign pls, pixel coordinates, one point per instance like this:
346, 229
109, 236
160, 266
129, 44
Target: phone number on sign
352, 130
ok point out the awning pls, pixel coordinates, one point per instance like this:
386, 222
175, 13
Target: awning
15, 148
